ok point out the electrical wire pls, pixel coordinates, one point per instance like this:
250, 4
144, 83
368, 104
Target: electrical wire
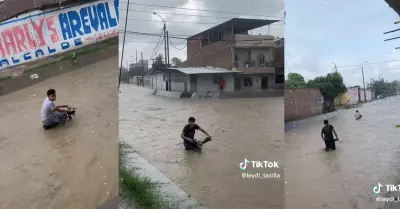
177, 47
199, 23
190, 15
157, 46
188, 36
201, 10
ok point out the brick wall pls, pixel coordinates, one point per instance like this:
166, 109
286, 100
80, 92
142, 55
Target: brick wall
302, 103
218, 54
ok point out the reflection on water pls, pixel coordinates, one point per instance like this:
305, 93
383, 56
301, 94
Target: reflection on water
366, 154
250, 128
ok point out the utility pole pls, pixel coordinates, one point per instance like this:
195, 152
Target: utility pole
141, 59
136, 57
165, 54
123, 43
365, 94
169, 71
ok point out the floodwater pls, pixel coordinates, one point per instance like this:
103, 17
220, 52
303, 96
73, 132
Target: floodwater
368, 153
250, 128
71, 167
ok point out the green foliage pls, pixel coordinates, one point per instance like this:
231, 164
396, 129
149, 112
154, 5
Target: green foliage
159, 60
176, 62
381, 87
330, 85
295, 80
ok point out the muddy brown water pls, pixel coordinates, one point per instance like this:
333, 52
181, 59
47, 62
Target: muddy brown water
74, 167
250, 128
367, 153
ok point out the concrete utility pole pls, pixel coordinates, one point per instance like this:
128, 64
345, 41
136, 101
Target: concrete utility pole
362, 71
141, 59
169, 72
123, 43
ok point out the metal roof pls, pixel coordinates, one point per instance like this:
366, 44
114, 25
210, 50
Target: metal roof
242, 24
203, 70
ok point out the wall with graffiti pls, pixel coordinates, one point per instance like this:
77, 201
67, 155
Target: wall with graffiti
40, 34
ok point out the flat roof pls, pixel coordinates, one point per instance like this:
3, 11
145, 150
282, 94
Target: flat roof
203, 70
241, 24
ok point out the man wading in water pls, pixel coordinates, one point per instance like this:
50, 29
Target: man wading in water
327, 133
188, 133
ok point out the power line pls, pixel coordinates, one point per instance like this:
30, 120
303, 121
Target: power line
189, 15
177, 47
188, 36
200, 23
202, 10
158, 43
324, 73
372, 63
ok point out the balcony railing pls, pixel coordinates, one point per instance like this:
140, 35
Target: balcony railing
248, 64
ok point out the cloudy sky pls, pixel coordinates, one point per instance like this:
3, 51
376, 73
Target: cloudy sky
186, 22
345, 32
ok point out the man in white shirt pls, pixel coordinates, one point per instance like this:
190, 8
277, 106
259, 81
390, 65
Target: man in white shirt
358, 115
51, 114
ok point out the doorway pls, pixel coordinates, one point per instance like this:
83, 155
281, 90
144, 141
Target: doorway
264, 82
193, 83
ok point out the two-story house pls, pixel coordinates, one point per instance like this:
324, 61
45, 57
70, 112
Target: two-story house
258, 59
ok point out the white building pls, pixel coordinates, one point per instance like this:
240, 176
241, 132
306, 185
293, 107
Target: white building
195, 79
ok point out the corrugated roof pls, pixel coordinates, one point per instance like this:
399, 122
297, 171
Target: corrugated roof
203, 70
243, 24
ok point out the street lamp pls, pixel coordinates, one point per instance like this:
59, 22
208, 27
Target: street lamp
362, 71
166, 50
335, 66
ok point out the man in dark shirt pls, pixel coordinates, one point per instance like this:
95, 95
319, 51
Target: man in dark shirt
327, 133
188, 133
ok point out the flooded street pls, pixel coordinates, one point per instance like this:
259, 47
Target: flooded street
250, 128
367, 153
71, 167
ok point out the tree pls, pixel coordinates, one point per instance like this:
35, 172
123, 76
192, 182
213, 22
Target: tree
331, 85
295, 80
381, 87
176, 62
159, 60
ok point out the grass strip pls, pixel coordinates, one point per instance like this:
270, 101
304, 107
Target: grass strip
136, 191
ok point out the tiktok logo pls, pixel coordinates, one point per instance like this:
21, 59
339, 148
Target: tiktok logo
243, 164
377, 189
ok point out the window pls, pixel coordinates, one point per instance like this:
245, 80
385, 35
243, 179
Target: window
216, 79
248, 81
261, 60
164, 77
279, 78
221, 34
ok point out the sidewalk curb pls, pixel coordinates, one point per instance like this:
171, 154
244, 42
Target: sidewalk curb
305, 122
170, 190
111, 203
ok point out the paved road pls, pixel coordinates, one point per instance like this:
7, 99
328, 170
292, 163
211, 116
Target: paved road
368, 153
241, 128
74, 167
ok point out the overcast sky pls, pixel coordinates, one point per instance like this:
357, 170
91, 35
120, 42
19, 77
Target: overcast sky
344, 32
195, 22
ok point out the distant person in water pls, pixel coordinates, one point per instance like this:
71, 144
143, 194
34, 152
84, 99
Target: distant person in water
188, 133
327, 133
358, 115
